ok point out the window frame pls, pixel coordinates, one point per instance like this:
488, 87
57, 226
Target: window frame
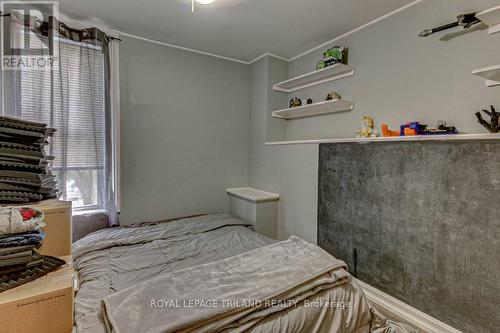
115, 110
114, 59
100, 203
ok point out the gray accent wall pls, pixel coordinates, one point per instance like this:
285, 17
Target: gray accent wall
184, 131
420, 221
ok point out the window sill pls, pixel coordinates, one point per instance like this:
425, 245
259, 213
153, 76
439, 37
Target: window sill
89, 212
88, 221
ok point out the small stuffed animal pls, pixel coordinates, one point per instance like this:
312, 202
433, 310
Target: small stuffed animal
295, 102
333, 96
367, 129
336, 52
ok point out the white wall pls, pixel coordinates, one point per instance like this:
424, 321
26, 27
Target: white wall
291, 171
399, 77
184, 131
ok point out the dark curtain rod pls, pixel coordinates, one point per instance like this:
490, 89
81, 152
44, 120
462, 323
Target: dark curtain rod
107, 36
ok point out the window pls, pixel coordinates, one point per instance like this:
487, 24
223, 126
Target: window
71, 99
79, 97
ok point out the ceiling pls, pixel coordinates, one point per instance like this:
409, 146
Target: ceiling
239, 29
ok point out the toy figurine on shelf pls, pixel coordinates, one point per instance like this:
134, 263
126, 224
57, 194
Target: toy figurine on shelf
388, 132
333, 96
411, 129
295, 102
332, 56
493, 126
416, 128
367, 129
441, 129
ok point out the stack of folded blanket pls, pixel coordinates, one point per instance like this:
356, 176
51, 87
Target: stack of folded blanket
24, 166
20, 235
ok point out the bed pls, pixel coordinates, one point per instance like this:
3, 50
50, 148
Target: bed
123, 271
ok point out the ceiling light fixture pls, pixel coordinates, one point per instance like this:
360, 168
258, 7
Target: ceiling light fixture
201, 2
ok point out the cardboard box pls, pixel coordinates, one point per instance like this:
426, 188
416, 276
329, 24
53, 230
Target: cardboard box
58, 240
59, 229
43, 306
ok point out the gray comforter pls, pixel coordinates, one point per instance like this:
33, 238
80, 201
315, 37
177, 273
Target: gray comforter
113, 260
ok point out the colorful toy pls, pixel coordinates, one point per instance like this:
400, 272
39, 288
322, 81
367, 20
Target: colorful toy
333, 96
295, 102
493, 126
336, 52
414, 128
441, 129
387, 132
409, 131
326, 63
367, 129
320, 65
332, 56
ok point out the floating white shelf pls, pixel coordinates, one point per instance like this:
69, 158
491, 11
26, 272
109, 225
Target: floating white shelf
491, 17
490, 74
416, 138
331, 73
315, 109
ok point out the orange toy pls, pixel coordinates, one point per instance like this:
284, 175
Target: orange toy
410, 131
387, 132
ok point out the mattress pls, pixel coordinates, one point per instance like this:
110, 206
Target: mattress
112, 260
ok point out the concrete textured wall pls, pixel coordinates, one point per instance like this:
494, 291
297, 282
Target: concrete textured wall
423, 220
184, 131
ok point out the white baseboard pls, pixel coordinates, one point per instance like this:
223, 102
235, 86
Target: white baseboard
388, 304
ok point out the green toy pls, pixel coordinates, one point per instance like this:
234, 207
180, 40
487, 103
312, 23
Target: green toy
332, 56
336, 52
320, 65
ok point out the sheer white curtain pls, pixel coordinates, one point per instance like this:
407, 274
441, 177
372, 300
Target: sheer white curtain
74, 97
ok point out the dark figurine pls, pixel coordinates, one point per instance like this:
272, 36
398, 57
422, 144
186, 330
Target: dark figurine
295, 102
492, 126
